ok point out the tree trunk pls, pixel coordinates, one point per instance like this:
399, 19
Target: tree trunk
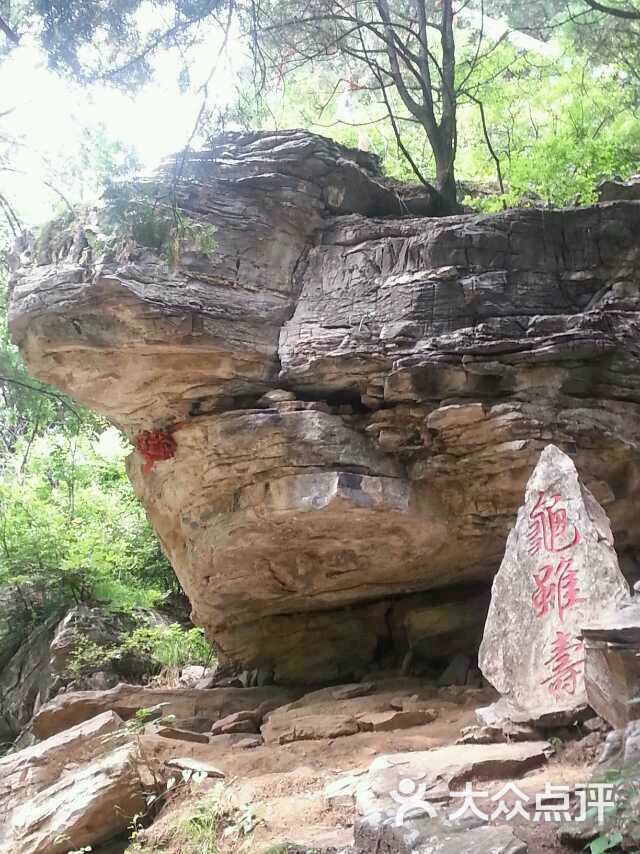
446, 184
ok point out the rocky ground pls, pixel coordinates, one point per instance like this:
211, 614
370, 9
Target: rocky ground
305, 792
315, 773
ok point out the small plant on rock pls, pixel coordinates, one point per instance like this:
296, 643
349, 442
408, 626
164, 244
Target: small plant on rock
88, 656
621, 827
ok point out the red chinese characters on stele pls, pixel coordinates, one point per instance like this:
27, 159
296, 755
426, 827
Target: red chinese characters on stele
563, 665
557, 590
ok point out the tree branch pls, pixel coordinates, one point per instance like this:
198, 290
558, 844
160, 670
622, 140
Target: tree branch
627, 15
487, 139
10, 33
52, 394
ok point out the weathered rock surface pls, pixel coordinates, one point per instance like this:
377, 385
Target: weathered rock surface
612, 663
77, 788
380, 834
387, 721
438, 772
67, 710
558, 570
427, 363
616, 190
245, 721
39, 667
310, 726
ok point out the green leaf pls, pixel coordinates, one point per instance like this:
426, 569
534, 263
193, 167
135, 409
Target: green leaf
605, 843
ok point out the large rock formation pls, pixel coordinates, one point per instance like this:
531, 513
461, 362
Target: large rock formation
424, 364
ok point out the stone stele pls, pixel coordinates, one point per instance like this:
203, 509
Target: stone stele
558, 572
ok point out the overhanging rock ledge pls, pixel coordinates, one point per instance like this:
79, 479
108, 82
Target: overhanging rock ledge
424, 363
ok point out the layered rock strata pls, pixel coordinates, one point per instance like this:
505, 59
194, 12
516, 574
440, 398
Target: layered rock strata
352, 397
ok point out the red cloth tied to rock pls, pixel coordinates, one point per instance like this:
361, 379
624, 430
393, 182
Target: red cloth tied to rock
156, 445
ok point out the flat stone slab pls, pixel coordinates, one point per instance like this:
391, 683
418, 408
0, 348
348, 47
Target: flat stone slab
245, 721
387, 721
307, 727
438, 769
183, 735
351, 692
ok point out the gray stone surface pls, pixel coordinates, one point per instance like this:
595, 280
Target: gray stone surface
612, 663
379, 833
39, 667
443, 769
558, 570
617, 190
425, 363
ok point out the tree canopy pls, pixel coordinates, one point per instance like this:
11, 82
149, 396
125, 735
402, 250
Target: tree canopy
432, 75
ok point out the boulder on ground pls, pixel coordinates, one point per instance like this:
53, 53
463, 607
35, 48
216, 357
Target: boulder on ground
77, 788
498, 733
89, 804
558, 571
430, 360
285, 729
246, 721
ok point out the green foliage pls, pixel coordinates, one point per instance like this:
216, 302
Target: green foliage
28, 409
605, 843
140, 211
71, 529
170, 647
161, 647
558, 127
203, 828
621, 824
214, 825
88, 656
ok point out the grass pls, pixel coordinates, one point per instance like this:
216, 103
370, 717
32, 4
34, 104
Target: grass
202, 830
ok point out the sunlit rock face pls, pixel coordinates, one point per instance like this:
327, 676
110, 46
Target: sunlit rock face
427, 363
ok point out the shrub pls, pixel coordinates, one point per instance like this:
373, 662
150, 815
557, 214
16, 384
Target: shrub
170, 647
